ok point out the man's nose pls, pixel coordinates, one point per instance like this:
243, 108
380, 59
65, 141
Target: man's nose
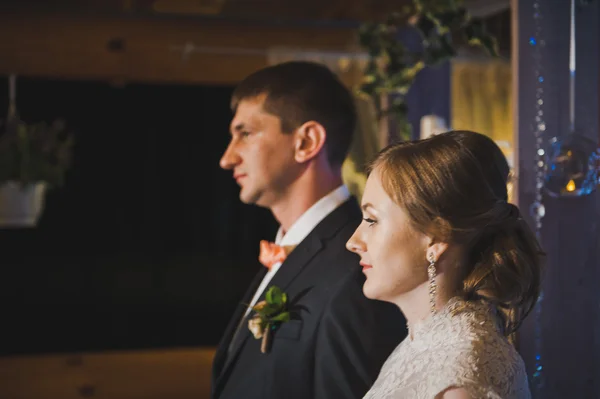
230, 158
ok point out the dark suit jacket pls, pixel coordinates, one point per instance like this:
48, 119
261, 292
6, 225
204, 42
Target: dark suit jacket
338, 339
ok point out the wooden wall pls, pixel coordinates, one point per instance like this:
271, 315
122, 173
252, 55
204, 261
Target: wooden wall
148, 49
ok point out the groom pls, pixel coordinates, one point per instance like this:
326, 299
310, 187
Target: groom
290, 134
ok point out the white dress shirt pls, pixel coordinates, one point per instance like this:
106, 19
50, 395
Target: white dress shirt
302, 228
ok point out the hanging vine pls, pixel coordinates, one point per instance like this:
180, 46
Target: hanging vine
443, 25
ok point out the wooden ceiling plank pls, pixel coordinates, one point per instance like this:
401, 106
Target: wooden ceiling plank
142, 49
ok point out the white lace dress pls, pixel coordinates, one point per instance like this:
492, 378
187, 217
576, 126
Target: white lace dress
459, 346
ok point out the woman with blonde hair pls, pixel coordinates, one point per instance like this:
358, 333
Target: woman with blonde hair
440, 241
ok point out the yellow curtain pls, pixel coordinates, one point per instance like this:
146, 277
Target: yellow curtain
482, 101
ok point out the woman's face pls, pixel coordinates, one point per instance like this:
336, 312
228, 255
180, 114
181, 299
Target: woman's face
393, 253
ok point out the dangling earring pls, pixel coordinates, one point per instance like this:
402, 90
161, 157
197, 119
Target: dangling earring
432, 283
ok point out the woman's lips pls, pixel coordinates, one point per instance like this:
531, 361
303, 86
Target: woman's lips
365, 266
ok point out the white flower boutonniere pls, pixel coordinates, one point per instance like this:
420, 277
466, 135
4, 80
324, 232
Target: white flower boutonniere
268, 316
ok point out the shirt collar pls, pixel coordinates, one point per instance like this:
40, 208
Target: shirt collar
312, 217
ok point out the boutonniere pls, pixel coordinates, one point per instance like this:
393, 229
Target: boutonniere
268, 316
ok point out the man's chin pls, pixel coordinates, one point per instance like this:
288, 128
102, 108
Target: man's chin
253, 198
248, 197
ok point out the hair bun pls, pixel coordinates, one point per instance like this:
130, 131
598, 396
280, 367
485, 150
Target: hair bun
508, 210
506, 216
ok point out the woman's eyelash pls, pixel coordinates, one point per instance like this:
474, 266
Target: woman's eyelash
370, 221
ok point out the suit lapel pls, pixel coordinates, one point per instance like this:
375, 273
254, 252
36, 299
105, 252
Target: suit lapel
296, 261
291, 268
221, 355
314, 243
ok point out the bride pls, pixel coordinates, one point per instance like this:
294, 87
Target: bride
440, 241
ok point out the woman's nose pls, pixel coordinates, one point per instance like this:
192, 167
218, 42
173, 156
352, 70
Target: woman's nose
354, 244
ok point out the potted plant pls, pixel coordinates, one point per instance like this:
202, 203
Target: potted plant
33, 158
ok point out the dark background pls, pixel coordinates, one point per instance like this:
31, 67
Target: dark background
147, 244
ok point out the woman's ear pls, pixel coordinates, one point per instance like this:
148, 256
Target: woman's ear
435, 250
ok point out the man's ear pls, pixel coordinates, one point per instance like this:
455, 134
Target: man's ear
310, 140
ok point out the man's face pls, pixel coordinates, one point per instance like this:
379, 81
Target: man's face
260, 155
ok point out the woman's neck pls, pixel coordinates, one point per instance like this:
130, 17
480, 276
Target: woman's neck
416, 305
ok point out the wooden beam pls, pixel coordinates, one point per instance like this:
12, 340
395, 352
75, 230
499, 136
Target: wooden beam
147, 374
148, 49
284, 11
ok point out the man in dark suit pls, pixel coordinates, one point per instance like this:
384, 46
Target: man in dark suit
291, 132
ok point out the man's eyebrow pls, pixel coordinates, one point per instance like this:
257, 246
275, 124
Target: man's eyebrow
238, 127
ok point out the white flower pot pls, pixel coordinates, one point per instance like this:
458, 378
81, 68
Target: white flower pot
21, 206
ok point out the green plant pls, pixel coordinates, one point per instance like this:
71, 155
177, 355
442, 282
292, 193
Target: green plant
268, 316
392, 67
34, 153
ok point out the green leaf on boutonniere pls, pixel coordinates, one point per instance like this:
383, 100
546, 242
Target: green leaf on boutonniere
282, 317
275, 296
268, 315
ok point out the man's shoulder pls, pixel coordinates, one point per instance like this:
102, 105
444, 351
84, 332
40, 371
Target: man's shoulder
334, 262
339, 223
332, 258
